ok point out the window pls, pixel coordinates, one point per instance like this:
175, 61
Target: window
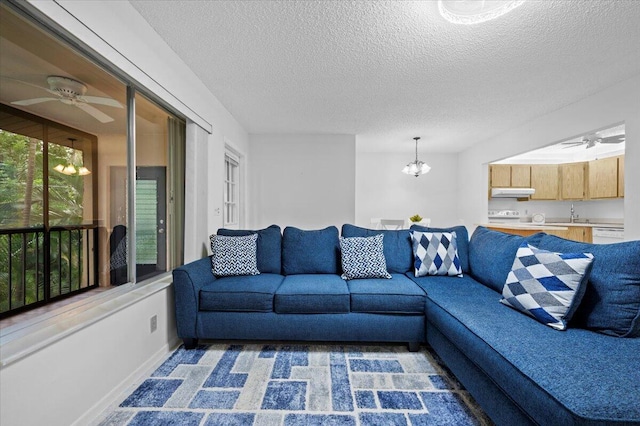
66, 153
231, 189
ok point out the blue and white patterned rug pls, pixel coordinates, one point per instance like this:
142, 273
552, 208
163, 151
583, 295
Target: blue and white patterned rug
278, 384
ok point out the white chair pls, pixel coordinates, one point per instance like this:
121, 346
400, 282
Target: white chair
375, 223
392, 224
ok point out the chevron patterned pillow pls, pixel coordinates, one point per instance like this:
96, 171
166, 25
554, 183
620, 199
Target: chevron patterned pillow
363, 257
234, 255
435, 253
546, 285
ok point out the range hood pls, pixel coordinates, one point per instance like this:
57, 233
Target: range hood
511, 192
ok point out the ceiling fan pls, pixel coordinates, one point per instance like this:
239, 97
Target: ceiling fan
591, 140
71, 92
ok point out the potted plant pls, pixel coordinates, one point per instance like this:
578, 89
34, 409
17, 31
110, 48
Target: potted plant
415, 218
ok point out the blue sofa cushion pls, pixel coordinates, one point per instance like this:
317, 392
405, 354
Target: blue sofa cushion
462, 241
397, 246
363, 257
312, 294
546, 285
396, 295
611, 303
269, 251
310, 252
542, 370
435, 253
253, 293
234, 255
491, 255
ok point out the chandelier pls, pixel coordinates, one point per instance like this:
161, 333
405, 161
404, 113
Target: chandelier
70, 169
416, 167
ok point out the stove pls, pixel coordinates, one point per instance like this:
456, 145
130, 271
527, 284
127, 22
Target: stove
503, 216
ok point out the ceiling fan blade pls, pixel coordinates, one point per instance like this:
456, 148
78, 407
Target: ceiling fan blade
101, 101
94, 112
33, 101
613, 139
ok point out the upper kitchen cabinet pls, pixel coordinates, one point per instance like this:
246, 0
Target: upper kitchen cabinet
572, 181
603, 178
544, 179
521, 176
500, 176
621, 176
510, 176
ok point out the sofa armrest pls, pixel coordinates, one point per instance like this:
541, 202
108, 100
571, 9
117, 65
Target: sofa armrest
187, 282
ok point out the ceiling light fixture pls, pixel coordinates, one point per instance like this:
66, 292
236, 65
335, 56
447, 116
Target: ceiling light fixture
416, 167
70, 169
469, 12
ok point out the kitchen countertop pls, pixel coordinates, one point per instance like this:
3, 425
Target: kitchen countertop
526, 226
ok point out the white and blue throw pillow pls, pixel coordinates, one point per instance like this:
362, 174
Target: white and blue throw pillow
363, 257
435, 253
234, 255
546, 285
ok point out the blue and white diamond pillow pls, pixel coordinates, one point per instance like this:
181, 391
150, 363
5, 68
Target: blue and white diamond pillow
363, 257
546, 285
435, 253
234, 255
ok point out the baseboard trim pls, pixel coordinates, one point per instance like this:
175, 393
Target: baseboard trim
91, 416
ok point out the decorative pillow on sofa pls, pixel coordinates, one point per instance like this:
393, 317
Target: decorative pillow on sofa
363, 257
269, 250
435, 253
234, 255
397, 246
462, 241
546, 285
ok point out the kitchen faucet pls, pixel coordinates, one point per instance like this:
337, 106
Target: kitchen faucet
573, 216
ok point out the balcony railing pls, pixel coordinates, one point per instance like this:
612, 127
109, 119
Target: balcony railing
39, 266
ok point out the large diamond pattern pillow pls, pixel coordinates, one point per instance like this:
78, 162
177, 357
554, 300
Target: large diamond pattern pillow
547, 285
435, 253
363, 257
234, 255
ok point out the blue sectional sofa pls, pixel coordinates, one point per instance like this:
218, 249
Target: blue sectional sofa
519, 370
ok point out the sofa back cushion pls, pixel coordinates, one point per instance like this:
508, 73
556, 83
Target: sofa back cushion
310, 252
491, 255
611, 304
269, 250
397, 246
462, 240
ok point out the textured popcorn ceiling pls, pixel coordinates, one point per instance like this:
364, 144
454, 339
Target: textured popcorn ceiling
391, 70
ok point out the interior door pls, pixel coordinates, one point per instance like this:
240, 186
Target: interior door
151, 221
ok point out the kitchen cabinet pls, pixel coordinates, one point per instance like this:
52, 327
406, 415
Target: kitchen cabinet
603, 178
582, 234
500, 176
572, 181
544, 179
521, 176
510, 176
621, 176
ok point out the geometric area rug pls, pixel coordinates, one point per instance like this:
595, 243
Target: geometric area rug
287, 384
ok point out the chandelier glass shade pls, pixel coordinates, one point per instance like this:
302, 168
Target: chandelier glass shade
416, 167
469, 12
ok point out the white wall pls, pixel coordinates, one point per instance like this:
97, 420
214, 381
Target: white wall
306, 181
619, 103
60, 383
383, 191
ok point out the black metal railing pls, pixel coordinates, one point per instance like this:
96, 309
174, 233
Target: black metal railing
38, 266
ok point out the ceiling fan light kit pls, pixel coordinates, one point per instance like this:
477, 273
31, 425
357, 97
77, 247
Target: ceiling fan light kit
469, 12
416, 167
